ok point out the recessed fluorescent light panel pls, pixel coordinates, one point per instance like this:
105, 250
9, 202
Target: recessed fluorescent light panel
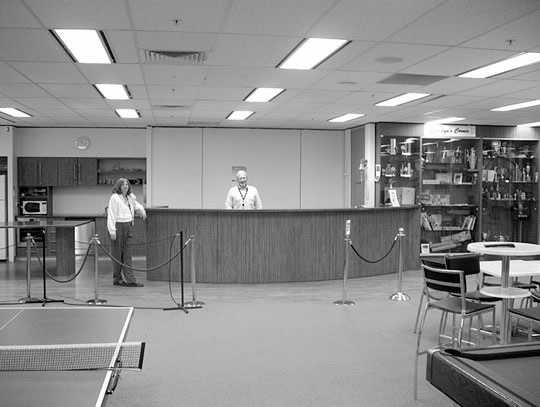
127, 113
402, 99
113, 91
239, 115
263, 94
10, 111
535, 124
446, 120
311, 52
346, 117
85, 46
509, 64
517, 106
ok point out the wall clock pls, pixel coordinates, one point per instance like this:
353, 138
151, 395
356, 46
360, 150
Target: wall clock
82, 143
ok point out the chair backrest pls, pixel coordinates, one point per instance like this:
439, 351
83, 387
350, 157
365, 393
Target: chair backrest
469, 263
433, 261
445, 280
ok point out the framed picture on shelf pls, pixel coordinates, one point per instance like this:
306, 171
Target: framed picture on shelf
458, 178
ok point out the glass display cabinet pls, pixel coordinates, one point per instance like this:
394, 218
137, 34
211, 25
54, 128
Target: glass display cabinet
510, 190
450, 193
398, 172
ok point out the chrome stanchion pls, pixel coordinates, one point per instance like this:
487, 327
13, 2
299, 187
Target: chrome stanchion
96, 301
193, 303
344, 300
400, 296
29, 242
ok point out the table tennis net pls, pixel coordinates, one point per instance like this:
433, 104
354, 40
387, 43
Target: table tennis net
72, 357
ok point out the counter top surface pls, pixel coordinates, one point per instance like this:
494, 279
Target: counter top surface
386, 208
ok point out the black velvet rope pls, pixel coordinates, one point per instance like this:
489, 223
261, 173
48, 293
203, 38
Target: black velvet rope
68, 280
378, 260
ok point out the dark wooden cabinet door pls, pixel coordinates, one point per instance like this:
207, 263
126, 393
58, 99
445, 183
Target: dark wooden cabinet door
48, 171
27, 171
37, 171
67, 171
87, 170
77, 171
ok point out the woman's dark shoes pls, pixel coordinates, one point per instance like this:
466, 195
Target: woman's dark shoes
134, 285
120, 282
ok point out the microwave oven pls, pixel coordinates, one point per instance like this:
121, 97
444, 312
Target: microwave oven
34, 207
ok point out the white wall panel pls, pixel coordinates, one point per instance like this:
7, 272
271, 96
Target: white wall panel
322, 170
272, 158
176, 173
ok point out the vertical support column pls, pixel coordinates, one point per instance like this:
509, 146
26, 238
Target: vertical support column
29, 241
193, 303
96, 300
344, 300
400, 296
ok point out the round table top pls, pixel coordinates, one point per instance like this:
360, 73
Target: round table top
508, 292
504, 248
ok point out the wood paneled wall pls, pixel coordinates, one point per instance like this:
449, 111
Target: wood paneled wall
280, 246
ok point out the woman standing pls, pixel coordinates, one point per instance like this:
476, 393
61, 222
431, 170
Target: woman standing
121, 212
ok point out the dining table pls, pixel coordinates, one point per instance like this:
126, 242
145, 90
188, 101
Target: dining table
505, 251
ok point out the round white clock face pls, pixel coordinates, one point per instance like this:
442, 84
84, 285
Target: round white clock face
83, 143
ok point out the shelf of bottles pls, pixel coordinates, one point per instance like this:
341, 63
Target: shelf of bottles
510, 190
450, 193
399, 171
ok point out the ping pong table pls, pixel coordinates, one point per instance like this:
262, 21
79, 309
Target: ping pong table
60, 326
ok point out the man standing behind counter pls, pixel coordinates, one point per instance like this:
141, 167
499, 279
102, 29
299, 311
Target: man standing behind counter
243, 196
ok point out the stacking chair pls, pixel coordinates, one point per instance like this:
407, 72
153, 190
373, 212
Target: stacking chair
433, 261
530, 315
452, 283
469, 263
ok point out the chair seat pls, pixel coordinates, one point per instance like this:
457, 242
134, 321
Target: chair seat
478, 296
530, 313
453, 305
525, 286
535, 295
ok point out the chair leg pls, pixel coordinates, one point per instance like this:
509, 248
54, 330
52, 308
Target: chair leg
419, 310
493, 327
460, 331
418, 339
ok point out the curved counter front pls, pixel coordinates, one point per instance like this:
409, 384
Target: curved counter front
269, 246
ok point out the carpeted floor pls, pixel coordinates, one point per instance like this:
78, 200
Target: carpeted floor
285, 345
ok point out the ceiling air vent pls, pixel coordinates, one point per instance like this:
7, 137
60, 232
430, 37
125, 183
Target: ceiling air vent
411, 79
177, 57
171, 107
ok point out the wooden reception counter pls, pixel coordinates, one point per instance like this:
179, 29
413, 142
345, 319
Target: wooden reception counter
269, 246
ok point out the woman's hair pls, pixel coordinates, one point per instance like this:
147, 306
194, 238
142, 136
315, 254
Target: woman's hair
117, 189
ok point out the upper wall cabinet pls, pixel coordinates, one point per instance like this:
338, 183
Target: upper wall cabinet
110, 169
77, 171
510, 190
37, 171
399, 171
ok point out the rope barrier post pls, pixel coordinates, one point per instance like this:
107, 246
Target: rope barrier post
181, 305
193, 303
400, 295
344, 300
96, 301
29, 240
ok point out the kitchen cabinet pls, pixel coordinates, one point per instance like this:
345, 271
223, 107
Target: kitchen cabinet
74, 171
37, 171
510, 190
110, 169
450, 193
399, 171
